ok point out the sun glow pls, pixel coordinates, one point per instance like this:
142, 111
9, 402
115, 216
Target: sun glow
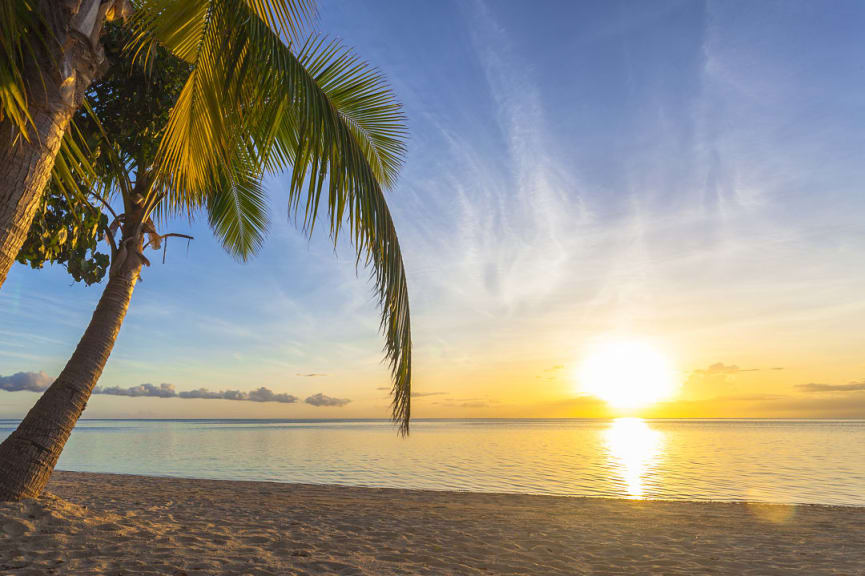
634, 449
627, 374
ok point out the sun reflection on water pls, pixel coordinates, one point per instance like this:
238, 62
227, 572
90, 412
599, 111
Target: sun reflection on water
633, 449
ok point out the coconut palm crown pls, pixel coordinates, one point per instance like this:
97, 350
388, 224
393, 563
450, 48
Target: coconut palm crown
263, 95
253, 102
260, 97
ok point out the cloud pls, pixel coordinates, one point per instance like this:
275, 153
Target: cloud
205, 393
162, 391
311, 375
30, 381
843, 406
721, 368
467, 403
383, 388
167, 391
266, 395
475, 404
551, 374
322, 400
422, 394
851, 387
39, 381
715, 374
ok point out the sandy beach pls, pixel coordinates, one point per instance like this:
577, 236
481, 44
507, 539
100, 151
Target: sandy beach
130, 525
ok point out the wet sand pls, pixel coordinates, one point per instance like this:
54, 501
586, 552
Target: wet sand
114, 525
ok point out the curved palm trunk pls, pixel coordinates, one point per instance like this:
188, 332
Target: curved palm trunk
57, 82
25, 168
29, 454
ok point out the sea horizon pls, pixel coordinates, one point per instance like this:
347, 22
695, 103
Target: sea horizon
783, 461
483, 419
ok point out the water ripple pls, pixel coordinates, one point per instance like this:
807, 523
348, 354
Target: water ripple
821, 462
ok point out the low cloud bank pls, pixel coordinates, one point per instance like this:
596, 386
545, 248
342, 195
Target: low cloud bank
39, 382
167, 391
322, 400
29, 381
161, 391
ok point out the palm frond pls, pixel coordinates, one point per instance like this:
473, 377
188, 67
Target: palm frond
237, 210
322, 111
73, 171
364, 101
290, 20
20, 31
351, 145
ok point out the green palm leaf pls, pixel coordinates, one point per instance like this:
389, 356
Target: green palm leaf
321, 111
237, 211
20, 30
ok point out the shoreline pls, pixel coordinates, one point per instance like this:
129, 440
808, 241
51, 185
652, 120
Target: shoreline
125, 524
456, 491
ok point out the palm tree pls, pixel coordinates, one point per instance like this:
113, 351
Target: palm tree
49, 55
251, 104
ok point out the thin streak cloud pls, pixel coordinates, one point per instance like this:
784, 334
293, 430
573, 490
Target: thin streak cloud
814, 387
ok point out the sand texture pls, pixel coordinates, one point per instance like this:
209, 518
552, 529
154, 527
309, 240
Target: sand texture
135, 525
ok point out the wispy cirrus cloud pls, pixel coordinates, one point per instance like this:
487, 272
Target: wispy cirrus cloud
514, 222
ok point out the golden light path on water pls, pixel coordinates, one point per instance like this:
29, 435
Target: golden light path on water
633, 450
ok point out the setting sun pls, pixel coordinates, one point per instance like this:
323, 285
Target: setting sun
626, 374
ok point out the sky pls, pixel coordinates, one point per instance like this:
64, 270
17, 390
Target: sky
686, 175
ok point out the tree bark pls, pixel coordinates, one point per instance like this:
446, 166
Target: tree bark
55, 87
29, 454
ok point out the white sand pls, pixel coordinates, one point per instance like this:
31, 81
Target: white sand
134, 525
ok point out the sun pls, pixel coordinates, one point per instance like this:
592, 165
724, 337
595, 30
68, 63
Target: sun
627, 374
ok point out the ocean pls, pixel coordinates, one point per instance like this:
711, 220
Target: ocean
783, 461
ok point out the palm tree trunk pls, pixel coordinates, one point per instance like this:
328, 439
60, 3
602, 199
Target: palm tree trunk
25, 168
56, 82
29, 454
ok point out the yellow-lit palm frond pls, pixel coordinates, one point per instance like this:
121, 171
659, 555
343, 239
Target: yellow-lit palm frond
23, 48
317, 109
20, 31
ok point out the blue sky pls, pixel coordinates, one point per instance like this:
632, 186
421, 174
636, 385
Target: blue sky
686, 173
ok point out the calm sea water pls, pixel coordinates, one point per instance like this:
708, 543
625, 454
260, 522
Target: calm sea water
819, 462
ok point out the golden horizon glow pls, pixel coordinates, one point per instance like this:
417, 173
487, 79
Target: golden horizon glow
627, 374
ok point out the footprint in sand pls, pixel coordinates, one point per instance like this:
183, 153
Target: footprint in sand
301, 553
15, 528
